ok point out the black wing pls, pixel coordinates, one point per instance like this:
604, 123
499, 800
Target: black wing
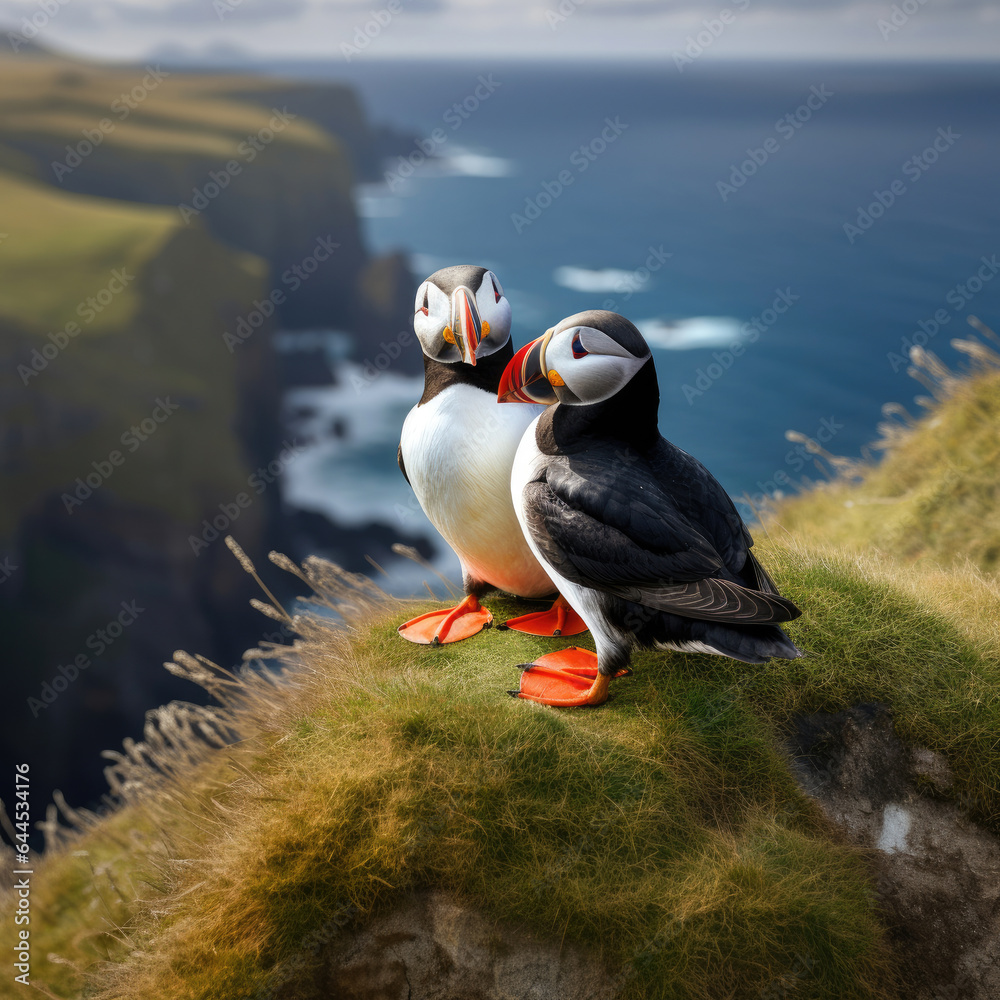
666, 542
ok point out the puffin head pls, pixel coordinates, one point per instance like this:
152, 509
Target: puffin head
461, 314
587, 358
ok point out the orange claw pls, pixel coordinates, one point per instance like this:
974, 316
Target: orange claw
560, 619
565, 678
450, 625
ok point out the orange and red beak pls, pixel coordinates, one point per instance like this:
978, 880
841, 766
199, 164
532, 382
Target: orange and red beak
524, 379
466, 324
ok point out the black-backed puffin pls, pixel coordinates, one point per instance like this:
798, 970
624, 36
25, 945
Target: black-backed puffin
638, 536
456, 451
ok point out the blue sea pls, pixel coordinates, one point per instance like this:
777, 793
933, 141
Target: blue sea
782, 234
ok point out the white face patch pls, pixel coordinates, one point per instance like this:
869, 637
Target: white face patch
435, 318
494, 309
589, 364
431, 317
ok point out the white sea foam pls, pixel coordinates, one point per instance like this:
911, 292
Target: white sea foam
685, 334
607, 279
464, 163
352, 477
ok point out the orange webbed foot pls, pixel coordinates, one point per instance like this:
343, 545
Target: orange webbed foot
450, 625
560, 619
565, 679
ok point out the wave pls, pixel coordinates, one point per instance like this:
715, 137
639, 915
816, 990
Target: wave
608, 279
463, 163
694, 332
346, 467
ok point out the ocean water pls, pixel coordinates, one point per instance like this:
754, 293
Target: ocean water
821, 218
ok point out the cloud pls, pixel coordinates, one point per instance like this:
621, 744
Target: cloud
524, 28
110, 13
702, 9
179, 13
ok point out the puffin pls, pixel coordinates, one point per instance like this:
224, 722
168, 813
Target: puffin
456, 451
638, 536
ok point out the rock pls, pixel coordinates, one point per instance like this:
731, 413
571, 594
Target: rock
938, 878
435, 947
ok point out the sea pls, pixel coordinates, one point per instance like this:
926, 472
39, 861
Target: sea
782, 234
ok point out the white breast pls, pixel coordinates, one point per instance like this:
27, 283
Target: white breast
458, 449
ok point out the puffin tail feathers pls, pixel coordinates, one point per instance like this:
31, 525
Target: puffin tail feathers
747, 643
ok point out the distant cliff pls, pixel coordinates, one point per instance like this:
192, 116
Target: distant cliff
155, 228
267, 166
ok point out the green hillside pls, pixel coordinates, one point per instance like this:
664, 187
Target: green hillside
661, 833
166, 289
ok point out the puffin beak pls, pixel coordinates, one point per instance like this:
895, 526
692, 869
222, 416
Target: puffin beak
466, 324
524, 379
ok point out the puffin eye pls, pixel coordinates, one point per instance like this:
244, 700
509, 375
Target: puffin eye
579, 351
496, 288
424, 307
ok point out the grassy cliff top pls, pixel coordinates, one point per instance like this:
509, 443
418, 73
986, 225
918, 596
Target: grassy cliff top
79, 239
662, 832
149, 108
137, 314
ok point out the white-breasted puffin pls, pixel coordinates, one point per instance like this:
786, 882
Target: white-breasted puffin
638, 536
456, 451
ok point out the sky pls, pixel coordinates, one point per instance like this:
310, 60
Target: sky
552, 29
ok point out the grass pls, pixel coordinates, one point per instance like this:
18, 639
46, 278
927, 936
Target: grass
96, 236
662, 832
936, 495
